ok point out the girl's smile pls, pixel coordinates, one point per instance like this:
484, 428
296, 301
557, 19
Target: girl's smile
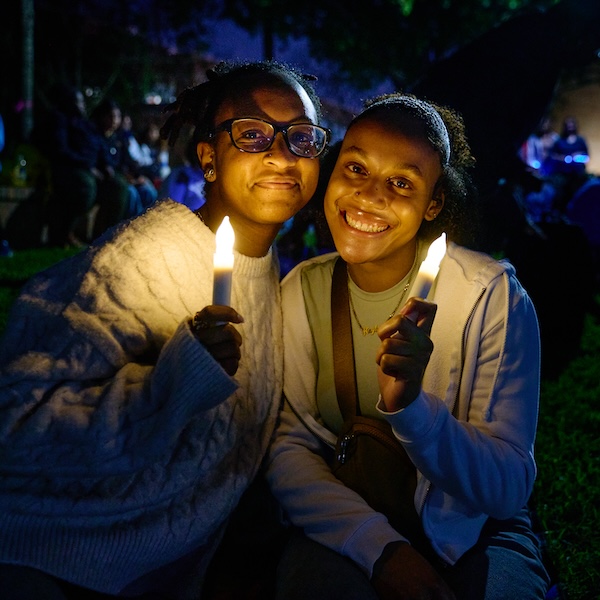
362, 222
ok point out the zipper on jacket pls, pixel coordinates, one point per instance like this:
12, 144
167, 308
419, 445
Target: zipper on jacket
457, 392
462, 350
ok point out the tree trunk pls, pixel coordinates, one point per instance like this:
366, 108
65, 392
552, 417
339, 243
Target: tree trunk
28, 20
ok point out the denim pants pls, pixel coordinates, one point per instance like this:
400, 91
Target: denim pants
505, 564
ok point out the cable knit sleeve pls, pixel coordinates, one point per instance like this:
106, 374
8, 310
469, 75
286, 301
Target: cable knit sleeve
98, 367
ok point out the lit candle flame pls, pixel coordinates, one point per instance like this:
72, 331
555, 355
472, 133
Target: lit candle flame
225, 241
429, 268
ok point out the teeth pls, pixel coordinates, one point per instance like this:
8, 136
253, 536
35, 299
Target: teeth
369, 228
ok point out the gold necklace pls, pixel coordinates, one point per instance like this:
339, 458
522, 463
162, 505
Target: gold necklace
373, 330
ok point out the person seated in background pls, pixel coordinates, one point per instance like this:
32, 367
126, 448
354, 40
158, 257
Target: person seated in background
149, 153
454, 377
185, 182
567, 163
538, 193
141, 191
569, 153
535, 150
81, 174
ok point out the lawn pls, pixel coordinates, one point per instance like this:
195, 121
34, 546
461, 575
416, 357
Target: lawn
15, 270
567, 492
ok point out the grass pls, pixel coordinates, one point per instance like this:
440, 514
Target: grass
567, 491
15, 270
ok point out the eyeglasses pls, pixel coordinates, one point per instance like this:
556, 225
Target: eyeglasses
255, 135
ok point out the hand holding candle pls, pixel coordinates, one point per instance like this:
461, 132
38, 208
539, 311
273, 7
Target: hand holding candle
400, 380
223, 263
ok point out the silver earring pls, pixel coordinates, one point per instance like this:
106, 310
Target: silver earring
209, 174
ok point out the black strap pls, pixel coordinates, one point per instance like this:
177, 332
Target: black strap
343, 348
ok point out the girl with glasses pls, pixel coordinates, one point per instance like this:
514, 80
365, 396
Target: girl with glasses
135, 412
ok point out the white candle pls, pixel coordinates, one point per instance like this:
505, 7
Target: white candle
429, 268
223, 263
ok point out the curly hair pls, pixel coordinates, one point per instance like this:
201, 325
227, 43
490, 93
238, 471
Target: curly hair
198, 105
444, 129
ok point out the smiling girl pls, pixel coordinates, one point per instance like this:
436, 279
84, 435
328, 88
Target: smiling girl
126, 442
458, 383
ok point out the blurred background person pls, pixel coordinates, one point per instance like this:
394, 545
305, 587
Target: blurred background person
567, 163
185, 182
82, 174
141, 192
535, 150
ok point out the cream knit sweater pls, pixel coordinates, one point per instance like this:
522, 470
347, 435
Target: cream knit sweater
123, 444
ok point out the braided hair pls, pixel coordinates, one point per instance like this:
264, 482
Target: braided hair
445, 131
197, 106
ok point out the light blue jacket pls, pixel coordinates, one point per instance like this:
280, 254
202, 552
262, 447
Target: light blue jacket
470, 432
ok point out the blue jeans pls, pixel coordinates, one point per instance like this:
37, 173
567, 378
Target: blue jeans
505, 564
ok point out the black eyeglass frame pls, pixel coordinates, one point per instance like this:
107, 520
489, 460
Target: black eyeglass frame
283, 129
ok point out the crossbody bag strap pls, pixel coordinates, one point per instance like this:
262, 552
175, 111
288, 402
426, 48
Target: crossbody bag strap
343, 348
402, 514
